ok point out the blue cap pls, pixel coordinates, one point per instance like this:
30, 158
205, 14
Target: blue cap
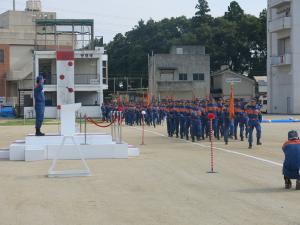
39, 78
293, 135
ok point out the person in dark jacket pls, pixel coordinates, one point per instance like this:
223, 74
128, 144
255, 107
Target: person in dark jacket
291, 163
39, 99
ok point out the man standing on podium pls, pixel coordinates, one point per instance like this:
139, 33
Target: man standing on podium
39, 99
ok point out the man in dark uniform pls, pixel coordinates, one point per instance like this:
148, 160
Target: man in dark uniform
39, 99
254, 116
291, 163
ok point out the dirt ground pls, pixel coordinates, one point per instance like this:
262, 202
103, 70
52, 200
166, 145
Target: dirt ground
167, 184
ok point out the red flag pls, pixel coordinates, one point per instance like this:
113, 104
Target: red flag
231, 105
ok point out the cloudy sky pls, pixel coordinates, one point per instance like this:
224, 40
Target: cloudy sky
118, 16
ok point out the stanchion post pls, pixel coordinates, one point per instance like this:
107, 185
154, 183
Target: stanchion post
143, 127
80, 121
85, 129
118, 128
211, 117
121, 116
112, 126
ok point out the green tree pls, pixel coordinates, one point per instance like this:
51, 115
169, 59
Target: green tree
235, 12
235, 39
202, 8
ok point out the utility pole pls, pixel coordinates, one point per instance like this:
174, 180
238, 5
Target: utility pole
14, 5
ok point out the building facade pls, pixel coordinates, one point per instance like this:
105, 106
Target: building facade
283, 56
184, 73
29, 41
244, 87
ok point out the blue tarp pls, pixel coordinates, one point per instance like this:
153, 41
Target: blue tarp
291, 120
7, 112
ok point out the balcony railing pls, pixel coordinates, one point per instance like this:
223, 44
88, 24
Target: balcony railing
80, 79
282, 60
278, 3
280, 24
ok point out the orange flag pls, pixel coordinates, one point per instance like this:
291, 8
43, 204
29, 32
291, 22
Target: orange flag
148, 100
231, 105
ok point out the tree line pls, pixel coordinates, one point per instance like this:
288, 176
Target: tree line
236, 39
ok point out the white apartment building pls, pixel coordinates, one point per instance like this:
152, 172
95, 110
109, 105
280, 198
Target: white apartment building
283, 56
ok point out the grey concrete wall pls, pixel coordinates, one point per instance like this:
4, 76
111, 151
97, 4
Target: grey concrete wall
244, 89
188, 64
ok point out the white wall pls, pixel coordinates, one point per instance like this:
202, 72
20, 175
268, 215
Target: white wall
296, 55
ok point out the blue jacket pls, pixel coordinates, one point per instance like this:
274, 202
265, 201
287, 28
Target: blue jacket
39, 95
291, 163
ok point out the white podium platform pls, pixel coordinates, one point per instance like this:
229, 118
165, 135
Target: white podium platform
99, 146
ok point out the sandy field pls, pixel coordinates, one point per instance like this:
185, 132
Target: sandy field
167, 184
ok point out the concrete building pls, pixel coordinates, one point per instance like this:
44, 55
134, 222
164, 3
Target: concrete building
244, 87
184, 73
283, 56
17, 41
28, 43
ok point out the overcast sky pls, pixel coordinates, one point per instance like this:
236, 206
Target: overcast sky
118, 16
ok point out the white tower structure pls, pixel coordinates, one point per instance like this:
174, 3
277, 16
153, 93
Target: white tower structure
283, 56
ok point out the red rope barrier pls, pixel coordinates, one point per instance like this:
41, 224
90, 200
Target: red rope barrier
98, 125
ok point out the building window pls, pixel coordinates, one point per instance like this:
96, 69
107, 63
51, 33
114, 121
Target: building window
284, 46
166, 75
182, 76
198, 76
1, 56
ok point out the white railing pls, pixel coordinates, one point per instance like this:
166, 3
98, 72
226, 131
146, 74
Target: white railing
280, 24
278, 3
281, 60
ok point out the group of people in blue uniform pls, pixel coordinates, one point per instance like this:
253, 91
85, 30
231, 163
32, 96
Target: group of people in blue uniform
188, 119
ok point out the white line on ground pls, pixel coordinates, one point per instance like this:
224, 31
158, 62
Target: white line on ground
217, 148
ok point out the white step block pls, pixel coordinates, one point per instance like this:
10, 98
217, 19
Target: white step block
4, 154
35, 153
133, 151
17, 152
54, 139
111, 151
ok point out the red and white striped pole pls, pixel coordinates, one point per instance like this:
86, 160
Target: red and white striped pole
211, 117
143, 127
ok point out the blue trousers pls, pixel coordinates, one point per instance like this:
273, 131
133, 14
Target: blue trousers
39, 112
226, 129
254, 124
196, 130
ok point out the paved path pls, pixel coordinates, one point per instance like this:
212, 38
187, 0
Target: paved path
166, 185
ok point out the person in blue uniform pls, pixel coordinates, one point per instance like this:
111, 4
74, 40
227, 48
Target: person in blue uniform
254, 115
226, 121
291, 164
39, 100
